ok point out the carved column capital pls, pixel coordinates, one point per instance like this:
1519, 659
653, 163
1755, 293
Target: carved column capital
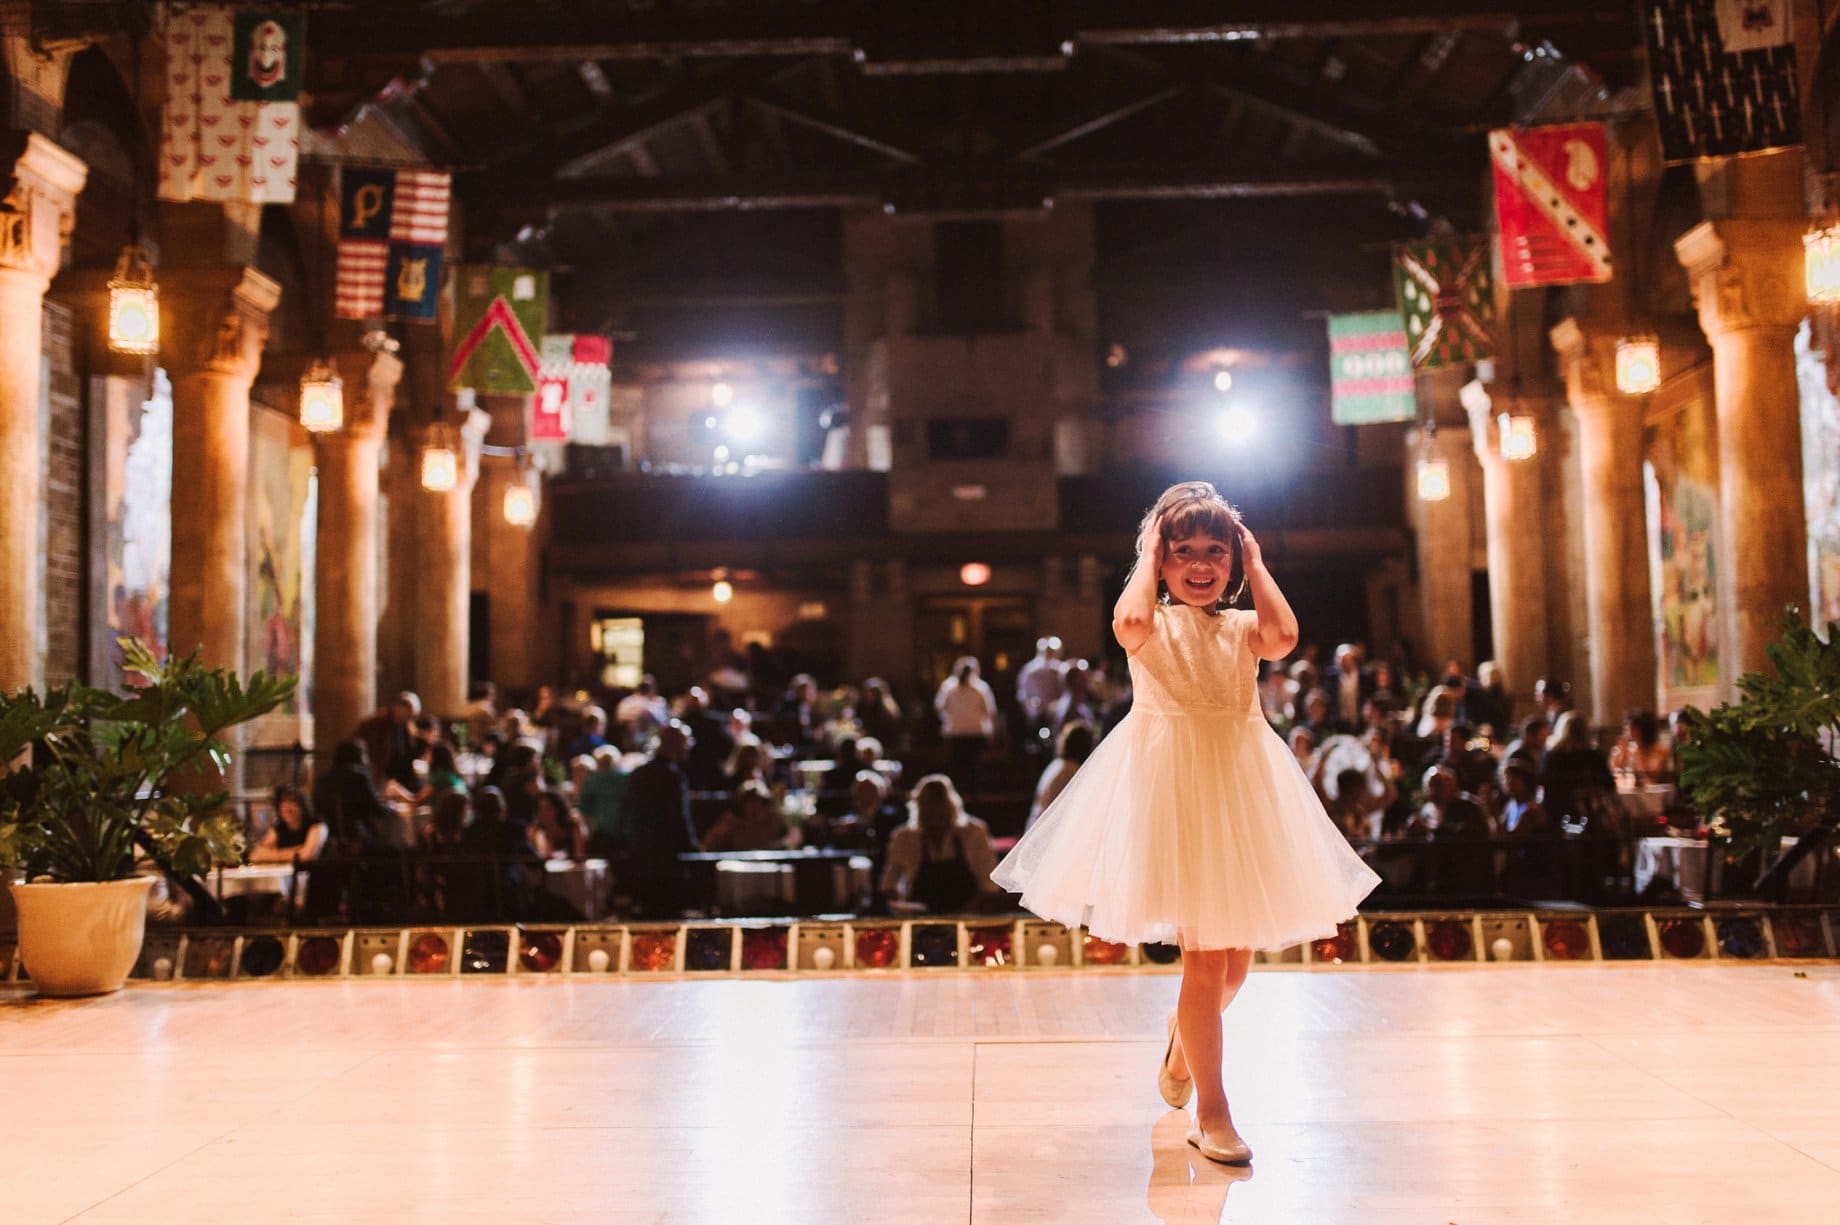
40, 206
1587, 362
1745, 272
215, 321
371, 380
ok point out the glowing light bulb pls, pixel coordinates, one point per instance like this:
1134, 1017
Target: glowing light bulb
1433, 479
1638, 365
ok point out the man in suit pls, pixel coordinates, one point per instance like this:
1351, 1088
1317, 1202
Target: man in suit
656, 809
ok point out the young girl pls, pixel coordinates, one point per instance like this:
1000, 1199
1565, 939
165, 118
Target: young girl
1191, 823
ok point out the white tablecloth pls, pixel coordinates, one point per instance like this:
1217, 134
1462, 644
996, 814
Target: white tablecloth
583, 884
1682, 862
255, 878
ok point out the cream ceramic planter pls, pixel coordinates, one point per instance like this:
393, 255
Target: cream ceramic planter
81, 939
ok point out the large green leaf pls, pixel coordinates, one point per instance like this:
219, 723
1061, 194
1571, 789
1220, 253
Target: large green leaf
98, 785
1765, 766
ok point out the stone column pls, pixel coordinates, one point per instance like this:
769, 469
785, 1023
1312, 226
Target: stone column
1444, 539
345, 570
444, 579
214, 322
35, 221
1514, 517
1614, 516
507, 556
1747, 283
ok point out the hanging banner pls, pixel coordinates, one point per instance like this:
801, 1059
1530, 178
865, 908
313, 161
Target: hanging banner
1719, 98
550, 411
1753, 25
230, 122
1550, 204
1446, 300
1370, 371
266, 56
578, 367
392, 232
497, 312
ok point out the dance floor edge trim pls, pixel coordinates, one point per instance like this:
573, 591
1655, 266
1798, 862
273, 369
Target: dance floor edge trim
827, 947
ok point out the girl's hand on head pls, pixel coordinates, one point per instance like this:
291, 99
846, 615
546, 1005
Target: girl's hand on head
1248, 545
1150, 545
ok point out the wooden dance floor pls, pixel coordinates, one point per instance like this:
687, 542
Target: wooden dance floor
1499, 1093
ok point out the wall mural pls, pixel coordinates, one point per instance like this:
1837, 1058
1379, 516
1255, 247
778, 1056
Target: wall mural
1680, 478
137, 500
283, 513
1820, 479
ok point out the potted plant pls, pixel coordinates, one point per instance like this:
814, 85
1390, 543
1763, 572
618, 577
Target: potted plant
1766, 767
91, 782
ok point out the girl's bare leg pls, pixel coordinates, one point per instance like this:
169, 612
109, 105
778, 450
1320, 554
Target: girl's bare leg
1239, 964
1210, 980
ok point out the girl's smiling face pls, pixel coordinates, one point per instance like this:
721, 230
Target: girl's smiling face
1195, 569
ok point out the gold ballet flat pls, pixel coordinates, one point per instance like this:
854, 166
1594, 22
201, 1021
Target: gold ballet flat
1174, 1090
1236, 1153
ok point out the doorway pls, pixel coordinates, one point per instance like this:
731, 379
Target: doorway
999, 631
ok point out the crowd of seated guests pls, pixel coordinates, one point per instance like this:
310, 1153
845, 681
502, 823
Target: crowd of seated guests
413, 817
1399, 756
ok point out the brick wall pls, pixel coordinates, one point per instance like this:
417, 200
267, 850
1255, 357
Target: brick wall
65, 481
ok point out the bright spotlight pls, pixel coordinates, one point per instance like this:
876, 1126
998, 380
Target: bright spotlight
721, 395
1238, 425
1223, 381
746, 425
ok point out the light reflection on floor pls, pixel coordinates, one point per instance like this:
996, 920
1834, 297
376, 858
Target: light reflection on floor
1512, 1093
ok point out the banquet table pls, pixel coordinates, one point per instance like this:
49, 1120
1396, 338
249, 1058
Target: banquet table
582, 883
1684, 863
275, 878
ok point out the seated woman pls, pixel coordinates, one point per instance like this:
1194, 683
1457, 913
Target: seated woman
294, 835
940, 861
600, 794
751, 761
1575, 779
754, 824
443, 774
447, 826
1074, 746
557, 830
1639, 751
1523, 816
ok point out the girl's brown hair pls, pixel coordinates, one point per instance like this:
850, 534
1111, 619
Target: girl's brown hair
1196, 508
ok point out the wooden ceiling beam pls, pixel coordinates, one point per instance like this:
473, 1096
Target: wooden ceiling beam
386, 28
1005, 188
502, 80
616, 133
834, 125
1065, 132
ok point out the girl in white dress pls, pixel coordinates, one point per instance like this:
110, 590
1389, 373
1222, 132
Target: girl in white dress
1191, 824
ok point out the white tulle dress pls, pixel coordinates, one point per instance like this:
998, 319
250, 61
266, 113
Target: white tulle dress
1191, 823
